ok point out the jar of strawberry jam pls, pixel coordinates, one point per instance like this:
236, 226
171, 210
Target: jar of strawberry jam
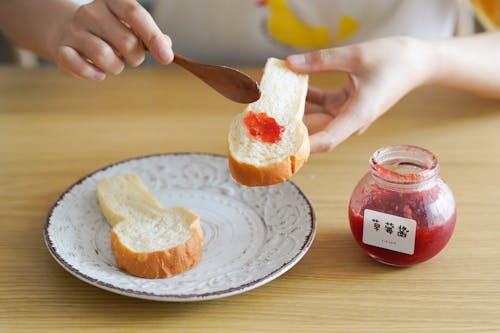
402, 212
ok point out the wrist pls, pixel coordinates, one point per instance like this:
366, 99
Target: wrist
433, 69
424, 60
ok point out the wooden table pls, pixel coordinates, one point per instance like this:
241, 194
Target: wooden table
55, 129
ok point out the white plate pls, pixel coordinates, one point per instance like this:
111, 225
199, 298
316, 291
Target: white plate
252, 235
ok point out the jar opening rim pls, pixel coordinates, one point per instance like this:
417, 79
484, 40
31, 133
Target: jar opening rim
404, 164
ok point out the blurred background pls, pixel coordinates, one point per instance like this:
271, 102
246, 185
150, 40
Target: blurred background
487, 18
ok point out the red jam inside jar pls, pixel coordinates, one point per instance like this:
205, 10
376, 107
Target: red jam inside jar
402, 212
263, 127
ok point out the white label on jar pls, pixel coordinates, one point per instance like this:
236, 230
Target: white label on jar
389, 231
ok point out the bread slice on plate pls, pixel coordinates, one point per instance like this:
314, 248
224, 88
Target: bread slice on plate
148, 240
268, 142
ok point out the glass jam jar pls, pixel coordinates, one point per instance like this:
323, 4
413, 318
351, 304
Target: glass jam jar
402, 212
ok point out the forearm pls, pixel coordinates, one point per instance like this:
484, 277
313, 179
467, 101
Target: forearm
469, 63
35, 24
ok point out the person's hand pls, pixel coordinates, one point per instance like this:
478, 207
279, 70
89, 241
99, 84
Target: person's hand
380, 72
103, 36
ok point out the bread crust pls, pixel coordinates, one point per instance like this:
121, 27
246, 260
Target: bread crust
160, 264
252, 175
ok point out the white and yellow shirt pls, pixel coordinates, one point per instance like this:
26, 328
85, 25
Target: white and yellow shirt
249, 31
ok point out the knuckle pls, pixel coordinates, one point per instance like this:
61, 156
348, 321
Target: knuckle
136, 60
324, 56
135, 13
319, 58
359, 56
70, 34
127, 44
64, 57
85, 13
101, 55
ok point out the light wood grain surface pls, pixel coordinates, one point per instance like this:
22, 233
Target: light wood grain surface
55, 130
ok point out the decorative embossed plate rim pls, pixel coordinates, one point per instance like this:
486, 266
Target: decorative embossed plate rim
280, 267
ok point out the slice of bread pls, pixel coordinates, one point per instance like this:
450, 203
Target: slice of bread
255, 161
148, 240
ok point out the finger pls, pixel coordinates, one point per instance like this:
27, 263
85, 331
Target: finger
329, 102
72, 63
121, 38
340, 127
333, 59
336, 98
314, 108
362, 129
315, 95
141, 22
319, 142
316, 122
98, 52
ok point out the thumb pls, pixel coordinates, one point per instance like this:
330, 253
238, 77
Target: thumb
334, 59
160, 47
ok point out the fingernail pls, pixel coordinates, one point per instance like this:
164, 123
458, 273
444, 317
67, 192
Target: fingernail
99, 76
297, 59
166, 54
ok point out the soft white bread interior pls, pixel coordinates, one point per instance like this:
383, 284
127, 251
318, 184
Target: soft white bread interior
253, 162
148, 240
